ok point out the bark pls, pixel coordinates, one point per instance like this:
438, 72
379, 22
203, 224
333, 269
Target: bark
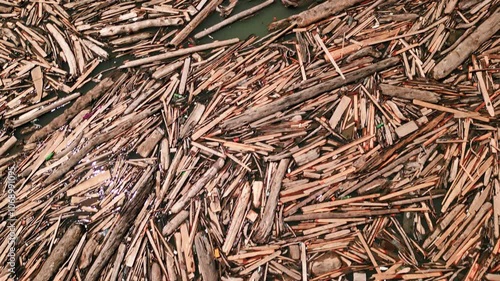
183, 34
265, 226
80, 104
408, 93
314, 14
256, 113
61, 252
456, 57
206, 259
120, 229
136, 26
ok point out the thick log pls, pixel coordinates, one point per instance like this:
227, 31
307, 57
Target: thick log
488, 28
80, 104
206, 259
408, 93
61, 252
314, 14
256, 113
140, 25
122, 226
203, 14
265, 225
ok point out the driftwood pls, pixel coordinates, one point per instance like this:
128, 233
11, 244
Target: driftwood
483, 32
232, 19
81, 103
206, 260
179, 53
314, 14
183, 34
125, 221
193, 191
174, 223
273, 107
408, 93
265, 225
61, 252
136, 26
68, 54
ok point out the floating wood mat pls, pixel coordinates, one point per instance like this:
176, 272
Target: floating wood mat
359, 140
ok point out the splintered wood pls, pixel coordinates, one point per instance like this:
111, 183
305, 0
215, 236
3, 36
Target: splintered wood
358, 141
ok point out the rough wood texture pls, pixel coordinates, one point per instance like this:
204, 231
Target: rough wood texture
120, 229
80, 104
295, 98
61, 252
315, 14
408, 93
265, 225
206, 259
483, 32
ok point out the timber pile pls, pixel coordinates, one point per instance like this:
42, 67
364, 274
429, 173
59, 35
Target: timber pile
359, 142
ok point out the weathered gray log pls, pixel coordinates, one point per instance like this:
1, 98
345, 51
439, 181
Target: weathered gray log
61, 252
206, 259
483, 32
265, 225
256, 113
120, 229
408, 93
136, 26
232, 19
314, 14
81, 103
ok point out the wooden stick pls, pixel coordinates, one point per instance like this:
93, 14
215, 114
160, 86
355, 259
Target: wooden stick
232, 19
178, 53
183, 34
61, 252
264, 227
483, 32
206, 260
136, 26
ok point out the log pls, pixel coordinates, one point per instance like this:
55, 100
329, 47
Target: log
408, 93
80, 104
206, 259
125, 221
232, 19
140, 25
488, 28
7, 145
174, 223
314, 14
61, 252
178, 53
256, 113
183, 34
265, 225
